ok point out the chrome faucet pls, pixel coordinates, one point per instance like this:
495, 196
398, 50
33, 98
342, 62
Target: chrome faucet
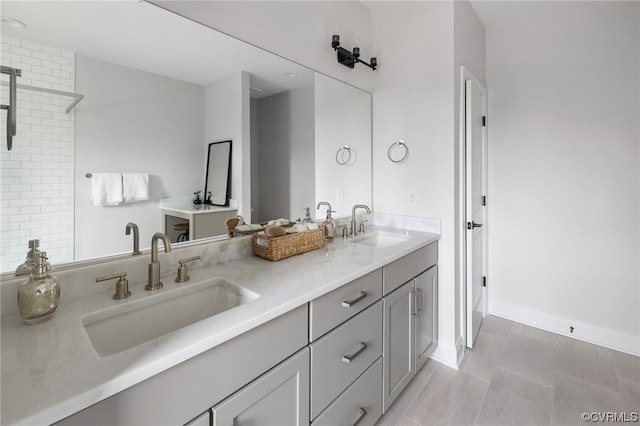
154, 267
353, 217
136, 238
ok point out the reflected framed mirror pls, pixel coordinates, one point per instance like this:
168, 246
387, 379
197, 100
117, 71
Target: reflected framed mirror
217, 185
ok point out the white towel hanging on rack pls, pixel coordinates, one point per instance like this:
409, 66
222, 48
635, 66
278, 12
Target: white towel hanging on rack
106, 189
135, 186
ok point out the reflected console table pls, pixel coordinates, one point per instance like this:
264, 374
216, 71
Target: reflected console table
204, 220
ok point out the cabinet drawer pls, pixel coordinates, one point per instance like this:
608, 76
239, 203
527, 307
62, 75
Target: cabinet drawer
338, 358
402, 270
332, 309
361, 403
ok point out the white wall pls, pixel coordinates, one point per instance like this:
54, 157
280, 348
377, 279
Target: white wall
564, 170
37, 174
343, 117
469, 50
226, 117
413, 100
297, 30
133, 121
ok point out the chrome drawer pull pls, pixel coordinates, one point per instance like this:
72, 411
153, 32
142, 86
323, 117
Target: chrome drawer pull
362, 413
349, 358
350, 303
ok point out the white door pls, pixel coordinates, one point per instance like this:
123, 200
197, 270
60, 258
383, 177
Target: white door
476, 185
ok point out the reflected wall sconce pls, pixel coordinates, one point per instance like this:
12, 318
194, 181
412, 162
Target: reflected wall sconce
350, 59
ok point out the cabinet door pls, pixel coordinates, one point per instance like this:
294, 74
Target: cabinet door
399, 352
279, 397
427, 315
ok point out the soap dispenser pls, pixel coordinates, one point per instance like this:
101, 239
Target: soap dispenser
307, 217
38, 297
27, 266
329, 224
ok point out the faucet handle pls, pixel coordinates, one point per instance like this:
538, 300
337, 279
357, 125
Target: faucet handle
361, 229
183, 272
122, 286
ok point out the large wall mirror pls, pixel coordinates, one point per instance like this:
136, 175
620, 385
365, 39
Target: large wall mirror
156, 92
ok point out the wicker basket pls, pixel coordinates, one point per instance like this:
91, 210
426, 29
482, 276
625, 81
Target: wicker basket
288, 245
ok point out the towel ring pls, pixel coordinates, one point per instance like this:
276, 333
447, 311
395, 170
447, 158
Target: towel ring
396, 145
340, 155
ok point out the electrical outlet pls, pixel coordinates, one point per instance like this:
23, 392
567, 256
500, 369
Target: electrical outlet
413, 195
339, 194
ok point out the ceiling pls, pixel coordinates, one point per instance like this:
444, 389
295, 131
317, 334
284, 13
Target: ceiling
146, 37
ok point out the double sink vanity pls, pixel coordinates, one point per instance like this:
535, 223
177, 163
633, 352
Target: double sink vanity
327, 337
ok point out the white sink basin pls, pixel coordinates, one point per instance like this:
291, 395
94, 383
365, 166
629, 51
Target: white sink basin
383, 239
116, 329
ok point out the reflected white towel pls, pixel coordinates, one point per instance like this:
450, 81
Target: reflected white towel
106, 189
135, 186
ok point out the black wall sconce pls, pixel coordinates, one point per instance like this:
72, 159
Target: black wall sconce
350, 59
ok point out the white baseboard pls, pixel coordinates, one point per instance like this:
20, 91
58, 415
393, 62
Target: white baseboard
589, 333
446, 354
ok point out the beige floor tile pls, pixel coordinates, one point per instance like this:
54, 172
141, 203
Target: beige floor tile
627, 366
586, 362
496, 326
630, 393
406, 421
450, 398
513, 400
572, 398
398, 409
481, 360
530, 352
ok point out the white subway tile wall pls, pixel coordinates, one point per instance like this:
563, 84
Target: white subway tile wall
37, 180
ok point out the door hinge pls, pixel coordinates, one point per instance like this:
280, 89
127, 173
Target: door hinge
484, 121
484, 200
484, 281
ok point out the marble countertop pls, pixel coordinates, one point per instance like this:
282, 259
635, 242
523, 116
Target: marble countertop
51, 370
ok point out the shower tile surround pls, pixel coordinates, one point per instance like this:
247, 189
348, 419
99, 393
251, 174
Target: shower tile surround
38, 173
281, 285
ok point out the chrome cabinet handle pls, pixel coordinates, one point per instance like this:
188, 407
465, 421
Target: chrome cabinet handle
419, 300
349, 358
350, 303
362, 413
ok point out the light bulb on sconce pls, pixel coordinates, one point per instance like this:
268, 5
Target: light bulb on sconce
350, 59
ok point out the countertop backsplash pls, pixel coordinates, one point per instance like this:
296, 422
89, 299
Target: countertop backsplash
81, 281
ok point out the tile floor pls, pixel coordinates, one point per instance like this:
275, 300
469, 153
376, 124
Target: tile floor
519, 375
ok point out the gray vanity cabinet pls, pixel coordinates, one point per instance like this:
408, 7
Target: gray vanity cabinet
399, 342
345, 337
279, 397
426, 315
410, 318
203, 419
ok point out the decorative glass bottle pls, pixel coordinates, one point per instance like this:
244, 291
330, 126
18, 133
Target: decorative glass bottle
38, 297
329, 226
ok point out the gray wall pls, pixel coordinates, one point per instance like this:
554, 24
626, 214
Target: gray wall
133, 121
286, 162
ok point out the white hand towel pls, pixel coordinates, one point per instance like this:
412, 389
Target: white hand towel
135, 186
106, 189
